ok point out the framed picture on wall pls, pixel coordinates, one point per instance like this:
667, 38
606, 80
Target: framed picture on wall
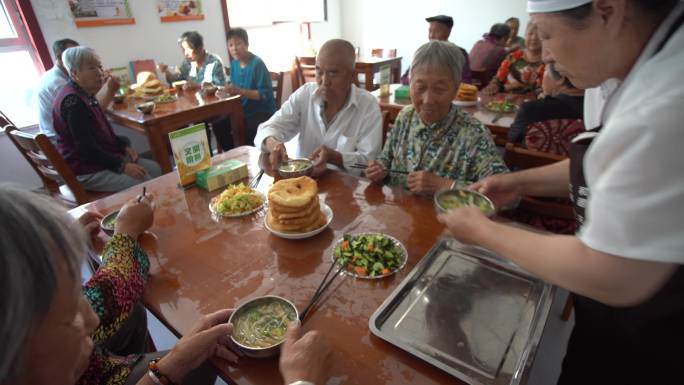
179, 10
96, 13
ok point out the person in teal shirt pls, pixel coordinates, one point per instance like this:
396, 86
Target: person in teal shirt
250, 79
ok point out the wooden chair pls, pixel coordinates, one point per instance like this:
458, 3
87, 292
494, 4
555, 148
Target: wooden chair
51, 167
520, 158
305, 71
277, 82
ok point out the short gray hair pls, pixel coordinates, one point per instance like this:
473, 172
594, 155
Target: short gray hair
440, 53
74, 57
35, 234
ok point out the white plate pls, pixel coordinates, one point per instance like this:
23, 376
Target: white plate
464, 103
391, 238
218, 215
325, 209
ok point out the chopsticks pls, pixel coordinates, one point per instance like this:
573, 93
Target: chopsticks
143, 194
322, 287
365, 166
254, 182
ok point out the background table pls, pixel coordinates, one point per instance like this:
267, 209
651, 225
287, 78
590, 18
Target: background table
499, 128
200, 265
191, 107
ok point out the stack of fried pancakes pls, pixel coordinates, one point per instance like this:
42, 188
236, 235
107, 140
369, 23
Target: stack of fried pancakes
294, 207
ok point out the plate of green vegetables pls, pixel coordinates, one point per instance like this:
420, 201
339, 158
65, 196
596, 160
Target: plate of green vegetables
370, 255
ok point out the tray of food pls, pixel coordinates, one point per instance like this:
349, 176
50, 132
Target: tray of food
468, 312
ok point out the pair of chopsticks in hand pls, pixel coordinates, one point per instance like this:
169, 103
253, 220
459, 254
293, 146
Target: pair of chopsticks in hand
365, 166
325, 283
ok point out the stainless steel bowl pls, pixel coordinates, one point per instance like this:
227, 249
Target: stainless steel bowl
145, 108
107, 223
259, 352
462, 193
296, 167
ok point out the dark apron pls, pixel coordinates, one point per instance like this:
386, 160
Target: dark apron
641, 345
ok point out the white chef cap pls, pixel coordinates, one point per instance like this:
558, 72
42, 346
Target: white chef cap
546, 6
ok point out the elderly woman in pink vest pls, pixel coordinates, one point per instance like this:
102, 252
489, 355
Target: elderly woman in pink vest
101, 160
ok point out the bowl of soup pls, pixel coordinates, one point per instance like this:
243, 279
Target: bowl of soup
448, 199
259, 325
108, 223
294, 168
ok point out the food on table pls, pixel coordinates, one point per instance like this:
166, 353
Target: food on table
501, 106
452, 199
110, 221
294, 206
263, 323
369, 255
145, 108
147, 85
466, 93
236, 200
293, 168
166, 98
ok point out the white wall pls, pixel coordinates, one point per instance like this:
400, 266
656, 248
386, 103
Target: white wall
401, 24
149, 38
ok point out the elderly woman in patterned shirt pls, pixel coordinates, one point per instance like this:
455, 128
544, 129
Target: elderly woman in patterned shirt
437, 143
53, 329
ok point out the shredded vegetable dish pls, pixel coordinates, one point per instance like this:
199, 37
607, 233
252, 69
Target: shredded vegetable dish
370, 255
464, 198
237, 199
263, 325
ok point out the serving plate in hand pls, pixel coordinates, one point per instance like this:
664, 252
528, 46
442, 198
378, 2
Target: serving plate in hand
325, 209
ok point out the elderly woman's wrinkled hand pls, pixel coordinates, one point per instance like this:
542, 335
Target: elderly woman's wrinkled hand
465, 224
423, 182
305, 358
135, 217
375, 171
90, 221
208, 338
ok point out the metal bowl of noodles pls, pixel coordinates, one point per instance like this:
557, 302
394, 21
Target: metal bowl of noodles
108, 223
294, 168
448, 199
259, 325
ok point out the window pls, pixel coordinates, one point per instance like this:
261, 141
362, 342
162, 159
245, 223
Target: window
20, 68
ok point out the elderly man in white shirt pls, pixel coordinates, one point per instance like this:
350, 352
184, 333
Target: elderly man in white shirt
337, 122
53, 81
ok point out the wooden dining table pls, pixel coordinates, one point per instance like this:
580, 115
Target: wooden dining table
200, 264
498, 124
190, 108
369, 66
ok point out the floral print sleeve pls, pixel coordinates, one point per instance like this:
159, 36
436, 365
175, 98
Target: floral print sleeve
459, 148
113, 291
515, 65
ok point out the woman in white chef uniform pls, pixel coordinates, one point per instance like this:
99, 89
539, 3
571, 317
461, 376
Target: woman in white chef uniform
625, 264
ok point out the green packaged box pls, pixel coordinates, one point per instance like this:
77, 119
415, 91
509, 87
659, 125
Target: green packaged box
221, 174
401, 92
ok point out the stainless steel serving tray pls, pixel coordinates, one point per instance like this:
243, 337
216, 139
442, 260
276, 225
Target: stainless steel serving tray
468, 312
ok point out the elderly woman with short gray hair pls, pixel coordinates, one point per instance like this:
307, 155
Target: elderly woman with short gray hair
100, 160
437, 143
52, 328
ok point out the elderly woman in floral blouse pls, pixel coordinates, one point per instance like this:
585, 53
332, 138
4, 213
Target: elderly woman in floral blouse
522, 70
435, 141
